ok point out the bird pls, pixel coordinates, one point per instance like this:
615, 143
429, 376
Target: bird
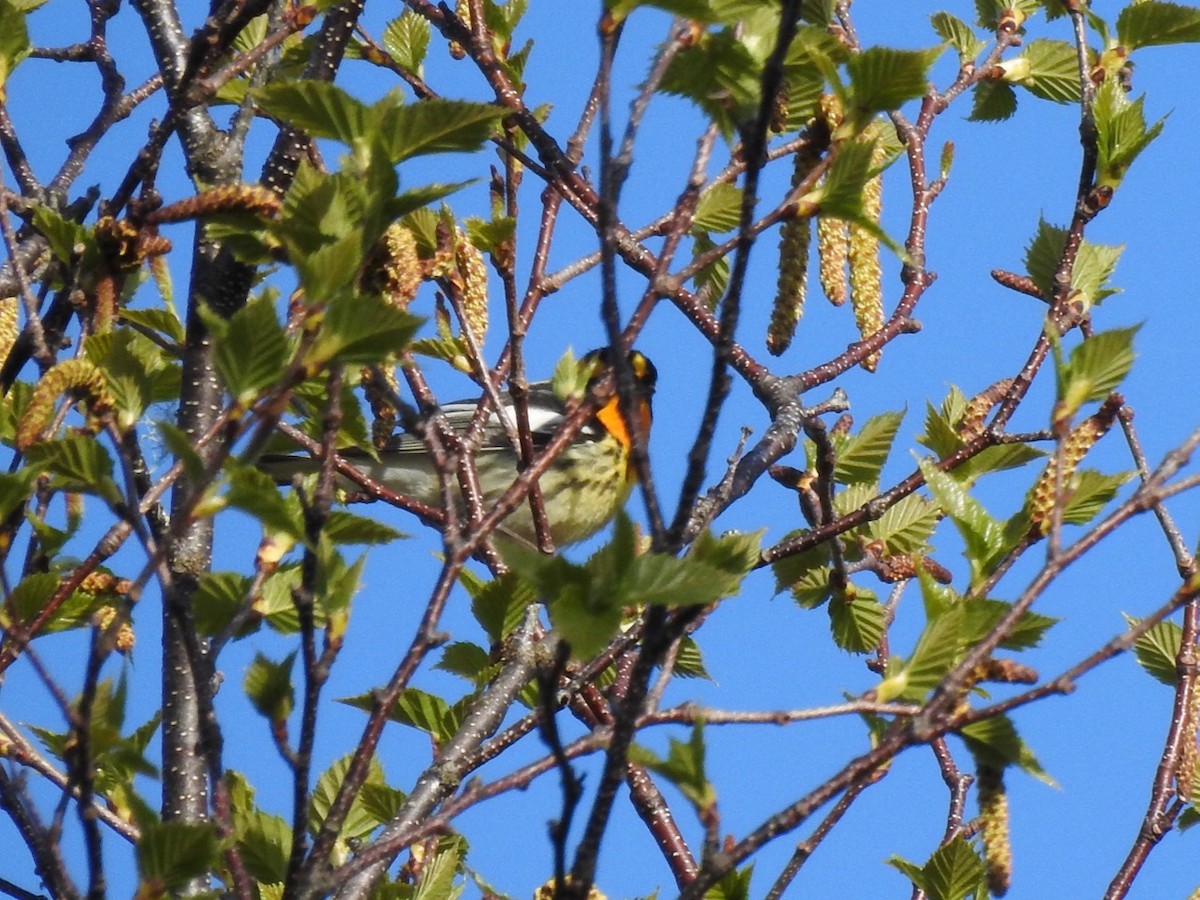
582, 490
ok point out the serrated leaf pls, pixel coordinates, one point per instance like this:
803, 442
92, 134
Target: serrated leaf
984, 536
264, 842
255, 492
857, 624
906, 526
406, 39
993, 101
860, 459
467, 660
417, 709
437, 876
1089, 492
995, 459
841, 195
958, 34
343, 527
1053, 71
319, 108
218, 598
954, 871
984, 614
359, 821
995, 742
268, 685
1121, 132
683, 767
79, 464
362, 330
883, 78
436, 126
689, 662
499, 606
1097, 367
938, 648
252, 353
1157, 651
806, 575
1094, 264
1155, 23
170, 854
718, 74
14, 40
719, 209
61, 233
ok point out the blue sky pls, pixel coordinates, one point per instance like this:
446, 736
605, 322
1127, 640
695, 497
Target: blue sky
1101, 744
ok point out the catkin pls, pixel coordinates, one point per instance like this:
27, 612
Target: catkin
77, 376
1063, 464
994, 828
794, 239
393, 269
866, 274
833, 251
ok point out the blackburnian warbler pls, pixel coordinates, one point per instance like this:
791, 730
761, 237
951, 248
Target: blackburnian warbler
584, 487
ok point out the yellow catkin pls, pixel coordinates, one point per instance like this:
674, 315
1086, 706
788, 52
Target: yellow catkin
1063, 464
249, 198
10, 325
794, 239
379, 393
393, 269
866, 274
76, 376
1185, 772
833, 251
974, 416
994, 828
473, 272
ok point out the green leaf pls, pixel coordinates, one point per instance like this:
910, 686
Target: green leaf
218, 598
857, 622
1121, 132
689, 662
906, 526
252, 352
1096, 368
343, 527
360, 820
984, 614
467, 660
1050, 70
806, 575
417, 709
1089, 492
995, 742
719, 209
994, 101
954, 871
683, 767
1157, 651
436, 126
1154, 23
406, 39
79, 464
984, 536
958, 34
734, 885
319, 108
362, 330
61, 233
264, 842
861, 457
269, 687
720, 75
255, 492
407, 202
938, 649
995, 459
883, 78
988, 12
14, 39
841, 194
500, 605
1094, 264
170, 854
439, 871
